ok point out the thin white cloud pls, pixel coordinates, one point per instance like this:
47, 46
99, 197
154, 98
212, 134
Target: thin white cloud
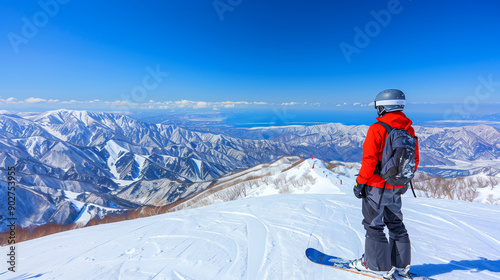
183, 103
121, 102
69, 102
234, 102
34, 100
147, 104
201, 104
11, 100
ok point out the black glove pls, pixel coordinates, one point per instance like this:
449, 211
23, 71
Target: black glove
359, 190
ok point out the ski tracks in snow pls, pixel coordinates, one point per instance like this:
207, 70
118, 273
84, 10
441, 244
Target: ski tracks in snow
257, 243
264, 238
479, 235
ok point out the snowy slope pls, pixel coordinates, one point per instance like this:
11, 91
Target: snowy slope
287, 175
265, 238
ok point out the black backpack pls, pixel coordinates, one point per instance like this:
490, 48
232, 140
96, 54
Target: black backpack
397, 167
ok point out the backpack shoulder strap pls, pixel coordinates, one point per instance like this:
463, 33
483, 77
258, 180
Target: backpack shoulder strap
386, 126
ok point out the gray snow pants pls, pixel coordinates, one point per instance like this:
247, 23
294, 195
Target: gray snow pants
380, 254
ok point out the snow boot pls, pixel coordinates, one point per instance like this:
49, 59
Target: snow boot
405, 272
389, 275
360, 265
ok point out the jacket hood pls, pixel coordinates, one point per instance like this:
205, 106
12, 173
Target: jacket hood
396, 119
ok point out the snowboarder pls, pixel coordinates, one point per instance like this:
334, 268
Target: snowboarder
381, 202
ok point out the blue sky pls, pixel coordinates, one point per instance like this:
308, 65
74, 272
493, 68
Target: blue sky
241, 53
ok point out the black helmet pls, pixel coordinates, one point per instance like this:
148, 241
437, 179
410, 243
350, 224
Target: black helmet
389, 100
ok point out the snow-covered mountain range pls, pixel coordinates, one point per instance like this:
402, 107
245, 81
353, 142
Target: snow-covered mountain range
283, 208
446, 152
70, 162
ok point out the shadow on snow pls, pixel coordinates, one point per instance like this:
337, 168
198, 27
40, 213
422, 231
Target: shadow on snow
472, 265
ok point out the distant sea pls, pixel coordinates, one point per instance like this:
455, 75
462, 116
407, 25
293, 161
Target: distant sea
277, 117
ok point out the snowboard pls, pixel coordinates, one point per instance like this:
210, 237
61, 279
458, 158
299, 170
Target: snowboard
321, 258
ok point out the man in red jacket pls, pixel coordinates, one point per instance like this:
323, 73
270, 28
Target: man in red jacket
382, 207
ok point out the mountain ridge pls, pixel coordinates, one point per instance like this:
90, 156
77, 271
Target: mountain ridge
114, 156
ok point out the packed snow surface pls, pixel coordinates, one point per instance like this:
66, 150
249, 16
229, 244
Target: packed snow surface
265, 238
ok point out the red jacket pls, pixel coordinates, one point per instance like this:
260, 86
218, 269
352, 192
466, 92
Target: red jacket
374, 145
